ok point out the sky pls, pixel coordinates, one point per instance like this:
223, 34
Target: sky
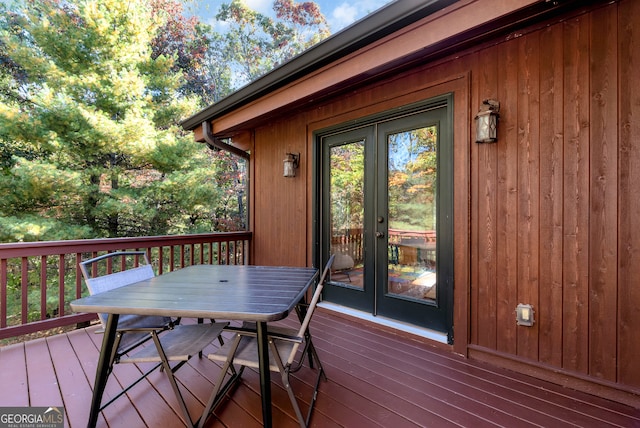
339, 13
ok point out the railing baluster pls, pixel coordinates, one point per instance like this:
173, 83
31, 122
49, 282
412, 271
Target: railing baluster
3, 293
94, 268
160, 260
78, 276
43, 287
62, 270
24, 282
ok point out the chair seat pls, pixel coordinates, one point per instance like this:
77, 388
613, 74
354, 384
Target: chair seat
179, 343
247, 352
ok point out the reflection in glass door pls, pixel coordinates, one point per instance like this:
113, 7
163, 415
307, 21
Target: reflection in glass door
413, 195
347, 212
412, 214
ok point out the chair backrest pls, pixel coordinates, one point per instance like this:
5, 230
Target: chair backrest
139, 272
312, 306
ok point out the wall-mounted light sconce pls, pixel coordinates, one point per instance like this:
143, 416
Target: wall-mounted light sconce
487, 122
291, 162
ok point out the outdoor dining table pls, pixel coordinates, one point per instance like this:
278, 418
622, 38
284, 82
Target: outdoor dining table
259, 294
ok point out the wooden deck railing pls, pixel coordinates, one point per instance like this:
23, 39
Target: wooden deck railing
349, 242
38, 280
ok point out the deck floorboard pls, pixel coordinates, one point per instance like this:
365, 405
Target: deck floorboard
375, 379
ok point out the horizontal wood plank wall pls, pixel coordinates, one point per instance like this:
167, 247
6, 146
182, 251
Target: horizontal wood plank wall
553, 216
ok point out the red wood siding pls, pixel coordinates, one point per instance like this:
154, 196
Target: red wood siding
280, 201
628, 194
548, 215
553, 199
552, 196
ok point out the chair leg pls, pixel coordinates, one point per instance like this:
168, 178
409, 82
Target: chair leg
200, 321
309, 348
293, 399
321, 375
315, 357
218, 390
172, 380
285, 372
220, 339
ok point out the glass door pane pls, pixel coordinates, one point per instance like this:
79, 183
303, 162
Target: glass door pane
412, 196
347, 213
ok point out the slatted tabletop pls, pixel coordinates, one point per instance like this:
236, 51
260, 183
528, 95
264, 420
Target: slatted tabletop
245, 293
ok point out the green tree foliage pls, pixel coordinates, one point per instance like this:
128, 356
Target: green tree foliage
254, 43
187, 41
87, 113
90, 92
347, 186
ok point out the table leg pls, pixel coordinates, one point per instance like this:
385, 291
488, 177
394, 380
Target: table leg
265, 374
102, 371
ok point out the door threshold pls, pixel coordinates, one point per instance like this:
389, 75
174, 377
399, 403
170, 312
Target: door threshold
426, 333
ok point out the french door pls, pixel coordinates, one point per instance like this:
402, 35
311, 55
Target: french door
387, 205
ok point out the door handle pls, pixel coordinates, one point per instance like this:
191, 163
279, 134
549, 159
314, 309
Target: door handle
379, 234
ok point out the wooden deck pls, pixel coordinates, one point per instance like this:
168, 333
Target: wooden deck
376, 379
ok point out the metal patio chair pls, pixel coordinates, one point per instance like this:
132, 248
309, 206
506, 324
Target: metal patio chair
166, 340
284, 344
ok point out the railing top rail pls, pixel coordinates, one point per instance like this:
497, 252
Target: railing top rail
45, 248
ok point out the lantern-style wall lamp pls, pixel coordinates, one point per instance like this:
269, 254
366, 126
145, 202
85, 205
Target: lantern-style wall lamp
291, 162
487, 122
